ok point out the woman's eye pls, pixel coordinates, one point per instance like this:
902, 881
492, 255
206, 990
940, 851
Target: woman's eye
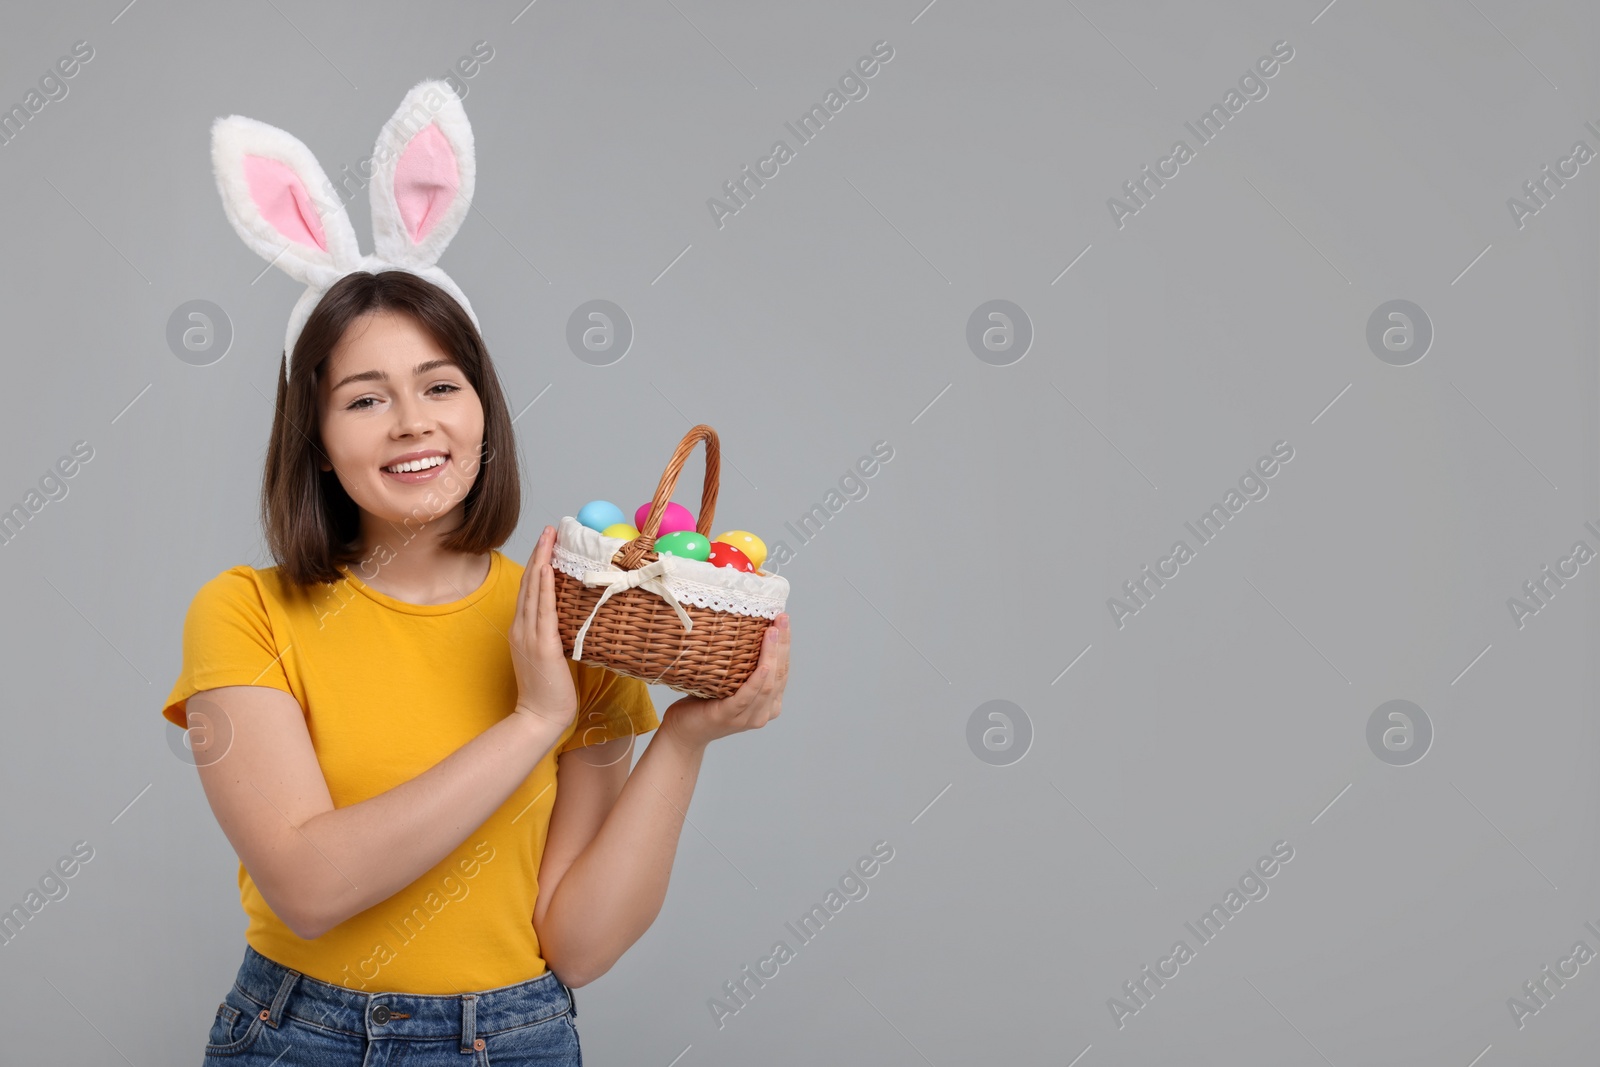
364, 403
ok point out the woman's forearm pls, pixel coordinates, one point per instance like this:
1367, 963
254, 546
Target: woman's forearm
353, 857
613, 891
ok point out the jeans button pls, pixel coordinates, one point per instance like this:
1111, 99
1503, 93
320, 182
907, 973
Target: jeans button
380, 1014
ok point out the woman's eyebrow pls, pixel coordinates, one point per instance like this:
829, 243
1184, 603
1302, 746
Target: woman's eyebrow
382, 376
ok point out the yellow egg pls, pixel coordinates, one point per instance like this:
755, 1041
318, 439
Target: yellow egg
625, 530
746, 542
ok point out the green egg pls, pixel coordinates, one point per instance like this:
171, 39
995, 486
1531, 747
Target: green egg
685, 543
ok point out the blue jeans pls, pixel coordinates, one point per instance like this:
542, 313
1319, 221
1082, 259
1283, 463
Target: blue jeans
274, 1015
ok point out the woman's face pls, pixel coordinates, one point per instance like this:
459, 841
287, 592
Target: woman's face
389, 392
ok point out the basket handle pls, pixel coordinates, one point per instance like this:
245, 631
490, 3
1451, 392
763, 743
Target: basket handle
634, 550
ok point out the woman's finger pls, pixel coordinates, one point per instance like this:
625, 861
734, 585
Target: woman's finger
781, 668
536, 598
527, 603
539, 552
522, 590
752, 696
734, 710
769, 649
550, 629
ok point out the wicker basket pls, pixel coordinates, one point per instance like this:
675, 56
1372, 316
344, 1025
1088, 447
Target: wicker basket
667, 620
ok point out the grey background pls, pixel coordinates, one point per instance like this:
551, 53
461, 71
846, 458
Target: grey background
829, 314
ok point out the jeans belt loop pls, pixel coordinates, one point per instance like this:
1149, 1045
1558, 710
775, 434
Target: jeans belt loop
275, 1013
469, 1020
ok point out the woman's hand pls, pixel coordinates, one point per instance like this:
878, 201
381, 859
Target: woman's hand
544, 682
698, 722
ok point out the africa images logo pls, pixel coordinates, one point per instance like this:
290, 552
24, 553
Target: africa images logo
852, 886
1252, 886
852, 87
1252, 86
1252, 484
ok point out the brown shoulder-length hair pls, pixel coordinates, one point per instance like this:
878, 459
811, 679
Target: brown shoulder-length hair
311, 523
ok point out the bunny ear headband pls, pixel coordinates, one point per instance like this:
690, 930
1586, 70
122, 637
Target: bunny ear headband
288, 212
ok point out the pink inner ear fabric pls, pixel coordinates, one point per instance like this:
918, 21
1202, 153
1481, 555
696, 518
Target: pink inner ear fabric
282, 200
425, 181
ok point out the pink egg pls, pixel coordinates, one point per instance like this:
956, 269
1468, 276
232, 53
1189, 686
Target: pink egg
725, 555
674, 519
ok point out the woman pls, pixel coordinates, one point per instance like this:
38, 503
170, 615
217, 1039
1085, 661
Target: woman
439, 832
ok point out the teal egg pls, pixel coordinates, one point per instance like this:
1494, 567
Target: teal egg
598, 514
688, 544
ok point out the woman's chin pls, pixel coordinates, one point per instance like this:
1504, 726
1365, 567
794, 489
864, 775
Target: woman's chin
404, 522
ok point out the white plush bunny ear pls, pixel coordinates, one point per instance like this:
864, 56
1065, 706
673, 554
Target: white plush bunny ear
280, 201
425, 172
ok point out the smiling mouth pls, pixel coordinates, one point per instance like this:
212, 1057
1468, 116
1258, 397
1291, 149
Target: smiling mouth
412, 466
413, 469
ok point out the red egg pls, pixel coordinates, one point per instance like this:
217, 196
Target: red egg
725, 555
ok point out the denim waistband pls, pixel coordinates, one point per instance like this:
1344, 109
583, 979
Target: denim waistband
281, 992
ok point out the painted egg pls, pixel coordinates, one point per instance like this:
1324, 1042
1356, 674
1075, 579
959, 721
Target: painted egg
685, 543
748, 543
725, 555
625, 530
598, 514
675, 518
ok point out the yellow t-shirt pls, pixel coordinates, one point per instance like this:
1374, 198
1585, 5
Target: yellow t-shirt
388, 690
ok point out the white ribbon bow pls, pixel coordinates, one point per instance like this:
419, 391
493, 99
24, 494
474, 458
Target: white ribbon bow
650, 576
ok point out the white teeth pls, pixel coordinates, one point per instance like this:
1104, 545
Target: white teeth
416, 464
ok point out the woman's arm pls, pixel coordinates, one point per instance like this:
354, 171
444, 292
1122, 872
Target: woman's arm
613, 834
315, 864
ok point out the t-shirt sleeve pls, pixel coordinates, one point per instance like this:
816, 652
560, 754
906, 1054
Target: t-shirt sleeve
610, 705
227, 640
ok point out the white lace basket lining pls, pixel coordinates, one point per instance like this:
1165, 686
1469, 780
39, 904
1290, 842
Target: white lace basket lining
579, 550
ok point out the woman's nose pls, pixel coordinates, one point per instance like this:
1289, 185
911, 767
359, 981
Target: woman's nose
412, 416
